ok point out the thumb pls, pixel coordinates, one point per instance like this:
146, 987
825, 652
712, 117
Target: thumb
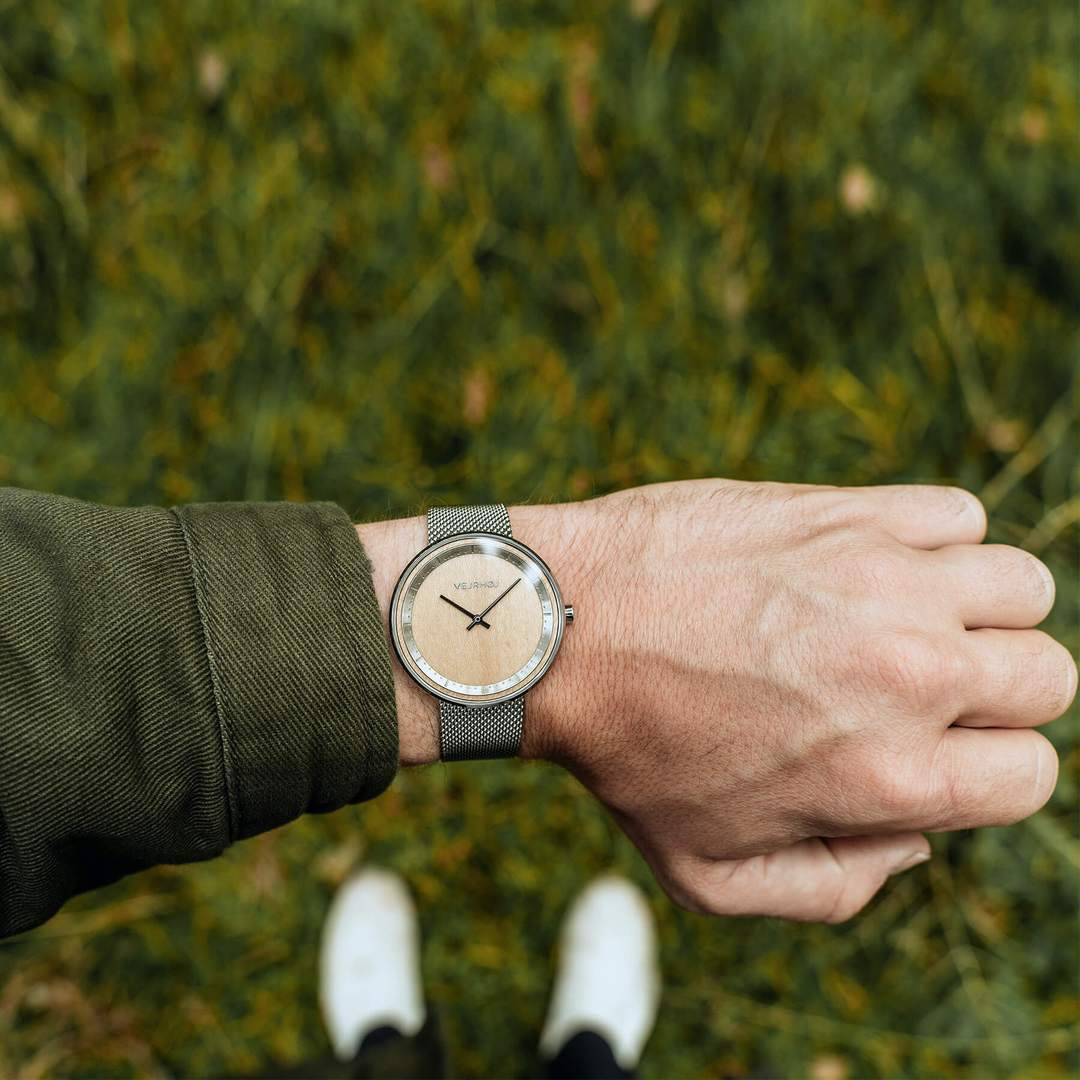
813, 880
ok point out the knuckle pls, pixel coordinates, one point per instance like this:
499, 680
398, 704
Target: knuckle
1037, 677
944, 788
883, 787
941, 501
848, 899
1018, 572
1071, 677
1046, 770
915, 668
890, 786
830, 508
1033, 782
687, 887
879, 569
960, 502
684, 898
1040, 582
1057, 681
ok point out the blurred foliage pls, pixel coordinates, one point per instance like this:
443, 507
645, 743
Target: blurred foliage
392, 253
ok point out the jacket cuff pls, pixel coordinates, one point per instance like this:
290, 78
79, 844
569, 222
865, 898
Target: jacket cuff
298, 658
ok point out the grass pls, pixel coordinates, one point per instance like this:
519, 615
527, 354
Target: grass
390, 253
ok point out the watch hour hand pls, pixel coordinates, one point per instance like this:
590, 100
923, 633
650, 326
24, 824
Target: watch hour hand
480, 618
465, 611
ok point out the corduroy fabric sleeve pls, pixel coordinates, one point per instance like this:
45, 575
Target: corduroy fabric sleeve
175, 680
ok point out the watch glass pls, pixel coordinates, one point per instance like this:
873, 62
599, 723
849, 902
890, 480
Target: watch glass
476, 619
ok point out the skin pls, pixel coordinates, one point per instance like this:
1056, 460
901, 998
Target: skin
777, 689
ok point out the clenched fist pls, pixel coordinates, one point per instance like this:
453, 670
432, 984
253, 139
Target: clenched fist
777, 688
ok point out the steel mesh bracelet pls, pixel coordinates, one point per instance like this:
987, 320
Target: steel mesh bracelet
444, 521
473, 732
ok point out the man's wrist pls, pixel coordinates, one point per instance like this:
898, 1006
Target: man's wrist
560, 535
389, 546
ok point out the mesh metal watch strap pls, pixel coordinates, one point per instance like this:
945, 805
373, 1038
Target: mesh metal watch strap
444, 521
472, 732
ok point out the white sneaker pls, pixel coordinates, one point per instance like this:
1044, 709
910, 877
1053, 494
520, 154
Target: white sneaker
609, 979
369, 961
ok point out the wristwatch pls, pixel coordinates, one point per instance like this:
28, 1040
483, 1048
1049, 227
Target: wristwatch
477, 619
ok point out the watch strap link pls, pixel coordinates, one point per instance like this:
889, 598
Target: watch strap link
475, 732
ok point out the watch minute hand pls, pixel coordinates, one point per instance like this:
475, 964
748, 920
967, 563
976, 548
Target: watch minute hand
493, 603
465, 611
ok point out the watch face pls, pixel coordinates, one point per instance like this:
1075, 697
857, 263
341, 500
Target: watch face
476, 619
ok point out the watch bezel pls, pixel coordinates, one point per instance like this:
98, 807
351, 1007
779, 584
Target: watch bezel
558, 612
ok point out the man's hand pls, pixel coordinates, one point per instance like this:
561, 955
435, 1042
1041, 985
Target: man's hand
776, 689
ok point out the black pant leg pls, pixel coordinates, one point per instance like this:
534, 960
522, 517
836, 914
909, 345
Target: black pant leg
586, 1056
386, 1054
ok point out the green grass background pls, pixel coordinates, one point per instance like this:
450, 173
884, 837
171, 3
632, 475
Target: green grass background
389, 253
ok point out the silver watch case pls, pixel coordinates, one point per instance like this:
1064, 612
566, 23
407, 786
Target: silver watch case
561, 613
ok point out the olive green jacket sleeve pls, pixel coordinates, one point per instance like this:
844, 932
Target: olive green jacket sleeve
173, 680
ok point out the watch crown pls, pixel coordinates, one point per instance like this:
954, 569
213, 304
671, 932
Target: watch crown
568, 612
